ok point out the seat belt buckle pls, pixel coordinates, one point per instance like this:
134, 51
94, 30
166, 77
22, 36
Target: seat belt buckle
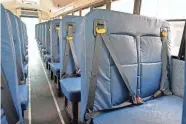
158, 94
139, 100
78, 72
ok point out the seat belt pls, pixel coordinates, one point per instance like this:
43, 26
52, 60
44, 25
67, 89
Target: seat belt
54, 51
164, 39
101, 37
70, 46
7, 101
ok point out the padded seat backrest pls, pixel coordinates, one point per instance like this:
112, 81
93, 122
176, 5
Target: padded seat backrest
75, 20
19, 62
137, 44
43, 33
177, 77
8, 63
54, 43
47, 36
20, 37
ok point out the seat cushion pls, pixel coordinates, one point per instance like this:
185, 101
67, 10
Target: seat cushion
23, 94
71, 88
47, 57
164, 110
55, 67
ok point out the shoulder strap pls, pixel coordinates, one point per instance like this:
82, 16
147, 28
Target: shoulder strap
65, 59
70, 28
7, 101
70, 46
164, 39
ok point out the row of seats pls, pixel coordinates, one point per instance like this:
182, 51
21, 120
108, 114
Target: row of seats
119, 68
14, 68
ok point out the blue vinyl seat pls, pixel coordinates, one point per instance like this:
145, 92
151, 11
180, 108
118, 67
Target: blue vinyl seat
23, 94
8, 63
22, 75
71, 88
54, 48
138, 46
55, 67
47, 58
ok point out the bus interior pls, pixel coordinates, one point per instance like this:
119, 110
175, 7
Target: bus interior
93, 61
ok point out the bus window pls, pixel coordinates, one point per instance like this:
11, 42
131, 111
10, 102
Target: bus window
176, 36
123, 6
85, 11
100, 7
164, 9
76, 13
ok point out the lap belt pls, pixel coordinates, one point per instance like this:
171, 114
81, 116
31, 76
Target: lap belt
70, 46
7, 101
101, 37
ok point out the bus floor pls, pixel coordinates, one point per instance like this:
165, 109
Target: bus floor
45, 107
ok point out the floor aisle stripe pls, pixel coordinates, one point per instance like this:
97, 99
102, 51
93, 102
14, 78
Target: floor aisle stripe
29, 105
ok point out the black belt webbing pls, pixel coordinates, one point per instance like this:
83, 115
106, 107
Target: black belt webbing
162, 90
94, 76
70, 46
71, 43
7, 101
54, 51
66, 57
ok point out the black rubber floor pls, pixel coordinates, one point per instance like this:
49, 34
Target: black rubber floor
43, 108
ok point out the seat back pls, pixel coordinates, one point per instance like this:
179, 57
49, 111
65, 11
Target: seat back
177, 77
20, 37
19, 62
54, 41
43, 34
47, 37
137, 44
75, 20
8, 60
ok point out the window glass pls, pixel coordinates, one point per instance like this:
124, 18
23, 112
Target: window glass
164, 9
176, 36
85, 11
43, 20
101, 7
69, 14
76, 13
123, 6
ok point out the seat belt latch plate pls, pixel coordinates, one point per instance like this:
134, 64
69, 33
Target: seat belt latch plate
139, 101
69, 38
100, 30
